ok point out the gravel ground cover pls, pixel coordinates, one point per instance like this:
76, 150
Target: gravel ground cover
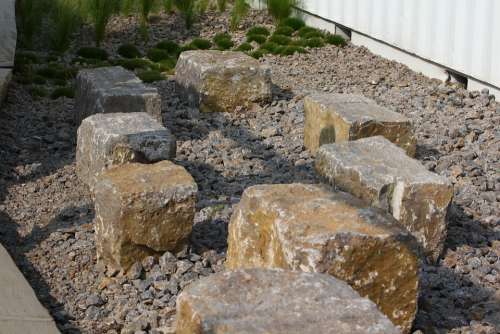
46, 213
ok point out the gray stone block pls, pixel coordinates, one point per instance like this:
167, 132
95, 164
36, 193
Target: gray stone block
114, 90
222, 80
106, 140
380, 173
8, 33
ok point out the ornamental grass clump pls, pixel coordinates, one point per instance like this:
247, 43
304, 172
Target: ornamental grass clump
99, 12
293, 22
335, 40
129, 51
259, 39
150, 76
280, 39
257, 54
284, 30
280, 9
271, 47
64, 20
157, 54
240, 10
315, 42
201, 44
258, 30
171, 47
290, 50
186, 7
223, 41
133, 64
244, 47
91, 52
309, 32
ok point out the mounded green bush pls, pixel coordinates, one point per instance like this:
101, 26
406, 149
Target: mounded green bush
284, 30
201, 44
150, 76
257, 54
223, 41
258, 30
260, 39
244, 47
290, 50
59, 82
335, 40
313, 34
63, 91
280, 39
167, 65
298, 42
305, 31
280, 9
171, 47
157, 54
187, 47
37, 91
129, 51
91, 52
315, 42
271, 47
293, 22
133, 64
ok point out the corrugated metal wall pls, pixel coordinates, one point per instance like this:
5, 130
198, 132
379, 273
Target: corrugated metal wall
463, 35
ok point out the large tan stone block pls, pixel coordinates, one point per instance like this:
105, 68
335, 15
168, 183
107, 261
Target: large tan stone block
333, 118
310, 228
380, 173
107, 140
142, 210
222, 80
257, 301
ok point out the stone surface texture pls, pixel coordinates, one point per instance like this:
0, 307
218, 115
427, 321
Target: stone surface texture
106, 140
8, 33
257, 301
142, 210
332, 118
114, 90
5, 77
311, 228
381, 174
222, 80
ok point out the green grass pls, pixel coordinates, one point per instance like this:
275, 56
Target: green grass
187, 47
92, 53
68, 92
293, 22
280, 9
65, 19
186, 7
313, 34
258, 30
129, 51
260, 39
167, 65
52, 71
284, 30
239, 11
315, 42
257, 54
335, 40
201, 44
133, 64
309, 31
171, 47
280, 39
290, 50
150, 76
157, 54
223, 41
271, 47
244, 47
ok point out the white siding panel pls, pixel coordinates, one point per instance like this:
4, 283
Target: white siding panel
463, 35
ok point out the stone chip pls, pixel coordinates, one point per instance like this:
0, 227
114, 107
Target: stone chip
311, 228
256, 301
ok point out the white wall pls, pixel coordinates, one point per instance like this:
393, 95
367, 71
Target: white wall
7, 33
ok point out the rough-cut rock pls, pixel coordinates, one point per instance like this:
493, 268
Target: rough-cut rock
8, 33
380, 173
222, 80
311, 228
332, 118
106, 140
113, 90
5, 77
256, 301
142, 210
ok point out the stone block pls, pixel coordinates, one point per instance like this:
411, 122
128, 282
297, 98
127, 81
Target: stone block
114, 90
142, 210
311, 228
333, 118
380, 173
222, 80
8, 33
106, 140
256, 301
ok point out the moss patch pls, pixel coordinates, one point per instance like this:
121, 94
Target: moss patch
129, 51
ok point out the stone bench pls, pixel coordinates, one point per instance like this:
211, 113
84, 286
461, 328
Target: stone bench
380, 173
113, 90
311, 228
142, 210
222, 80
332, 118
106, 140
256, 301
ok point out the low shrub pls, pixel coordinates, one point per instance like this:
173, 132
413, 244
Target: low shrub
257, 54
167, 65
244, 47
260, 39
150, 76
157, 54
293, 22
313, 34
186, 7
240, 10
335, 40
133, 64
290, 50
201, 44
314, 42
271, 47
92, 53
304, 31
129, 51
37, 91
298, 42
171, 47
280, 39
284, 30
65, 18
68, 92
258, 30
223, 41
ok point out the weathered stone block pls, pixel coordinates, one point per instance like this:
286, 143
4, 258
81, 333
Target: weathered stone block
113, 90
222, 80
8, 33
381, 174
106, 140
142, 210
256, 301
332, 118
310, 228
